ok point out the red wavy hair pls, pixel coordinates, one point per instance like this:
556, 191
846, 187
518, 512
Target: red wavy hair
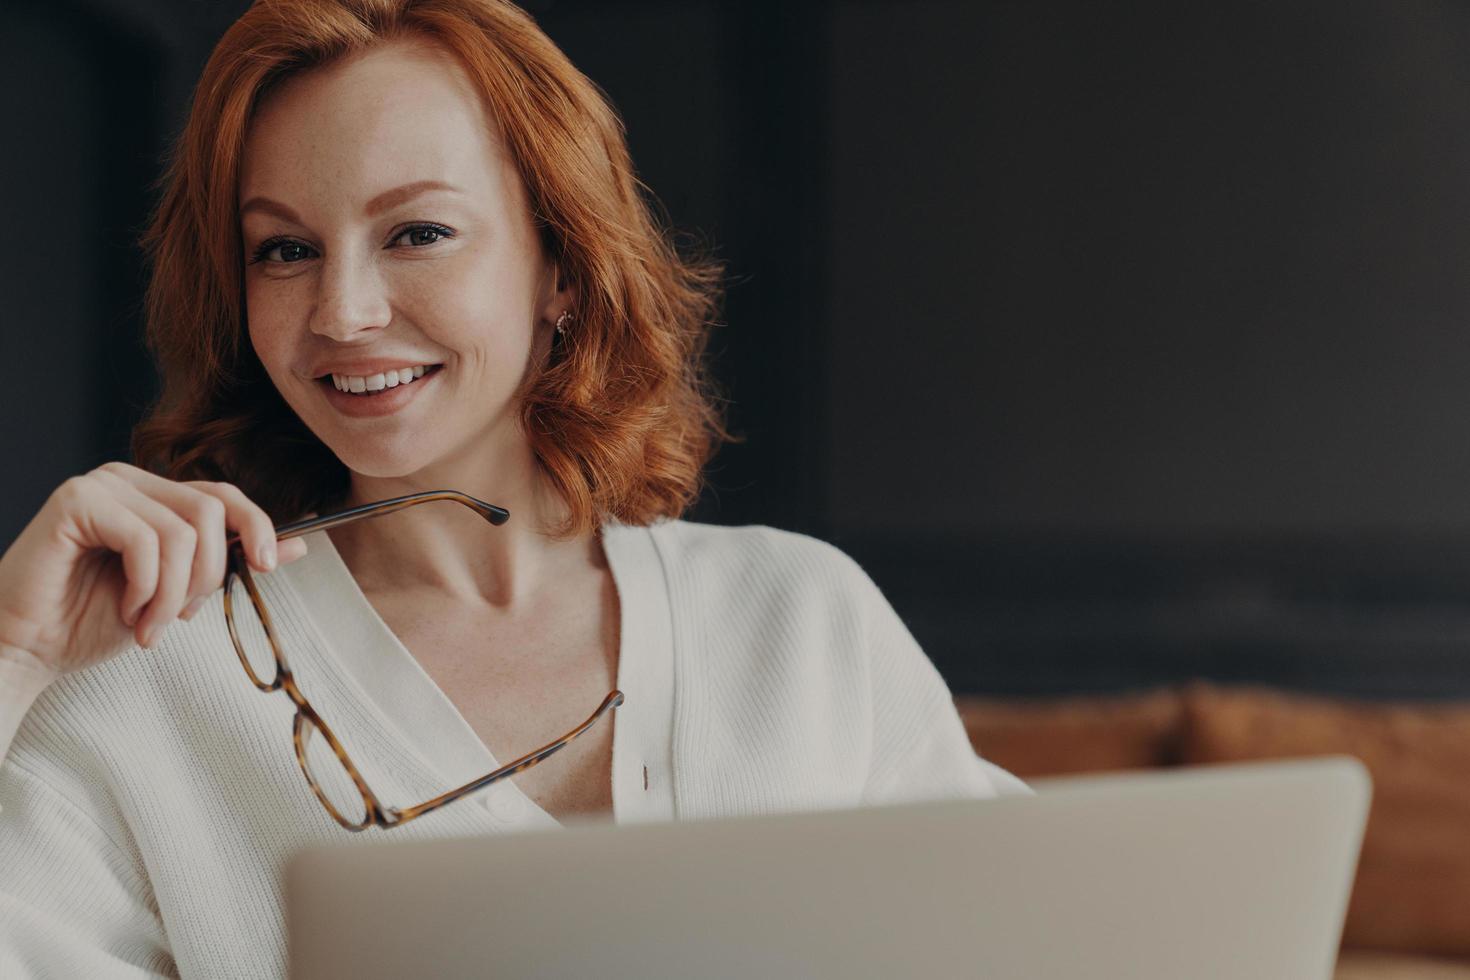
622, 416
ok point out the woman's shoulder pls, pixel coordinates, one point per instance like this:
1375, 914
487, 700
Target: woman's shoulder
756, 553
757, 574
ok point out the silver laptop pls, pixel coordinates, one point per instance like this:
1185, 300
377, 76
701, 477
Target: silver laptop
1238, 872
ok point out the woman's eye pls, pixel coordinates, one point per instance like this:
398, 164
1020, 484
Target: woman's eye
429, 234
291, 252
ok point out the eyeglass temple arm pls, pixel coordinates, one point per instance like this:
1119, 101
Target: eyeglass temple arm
295, 529
613, 699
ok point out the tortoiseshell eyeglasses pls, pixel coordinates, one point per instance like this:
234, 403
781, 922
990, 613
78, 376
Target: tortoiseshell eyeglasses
328, 770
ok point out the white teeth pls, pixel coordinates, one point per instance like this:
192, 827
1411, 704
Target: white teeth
377, 382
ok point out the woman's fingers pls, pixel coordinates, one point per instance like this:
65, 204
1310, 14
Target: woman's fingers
207, 509
257, 533
206, 513
177, 544
118, 529
65, 600
291, 549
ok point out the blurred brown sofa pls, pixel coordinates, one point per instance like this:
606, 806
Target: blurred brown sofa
1409, 916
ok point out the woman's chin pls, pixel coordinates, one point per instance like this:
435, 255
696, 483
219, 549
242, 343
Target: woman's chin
382, 464
377, 471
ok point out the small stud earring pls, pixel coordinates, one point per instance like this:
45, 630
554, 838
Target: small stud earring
562, 321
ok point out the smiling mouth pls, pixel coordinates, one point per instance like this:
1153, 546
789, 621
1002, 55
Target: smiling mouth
377, 384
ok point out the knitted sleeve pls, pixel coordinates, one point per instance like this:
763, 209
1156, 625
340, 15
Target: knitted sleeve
920, 750
20, 685
72, 902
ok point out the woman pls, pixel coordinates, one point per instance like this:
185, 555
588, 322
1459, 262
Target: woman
400, 249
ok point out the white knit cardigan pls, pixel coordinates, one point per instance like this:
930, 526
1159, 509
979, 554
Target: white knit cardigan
148, 804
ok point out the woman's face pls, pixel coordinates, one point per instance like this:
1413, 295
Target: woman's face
356, 268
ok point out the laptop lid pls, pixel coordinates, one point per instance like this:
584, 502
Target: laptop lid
1235, 872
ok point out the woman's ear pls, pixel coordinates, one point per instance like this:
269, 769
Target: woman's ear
562, 298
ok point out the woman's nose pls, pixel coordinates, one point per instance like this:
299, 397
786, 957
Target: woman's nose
350, 300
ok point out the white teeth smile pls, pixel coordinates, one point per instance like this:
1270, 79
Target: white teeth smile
357, 383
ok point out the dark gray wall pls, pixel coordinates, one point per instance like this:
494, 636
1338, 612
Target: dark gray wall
88, 93
51, 267
1150, 266
1147, 338
1122, 343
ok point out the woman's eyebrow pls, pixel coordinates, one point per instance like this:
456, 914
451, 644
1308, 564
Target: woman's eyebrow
267, 206
398, 195
384, 201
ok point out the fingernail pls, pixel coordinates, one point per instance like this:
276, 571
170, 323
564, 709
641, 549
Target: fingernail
150, 638
268, 555
193, 607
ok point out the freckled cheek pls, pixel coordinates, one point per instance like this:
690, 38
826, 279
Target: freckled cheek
481, 319
270, 335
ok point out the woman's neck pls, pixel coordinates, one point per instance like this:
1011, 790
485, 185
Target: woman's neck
446, 550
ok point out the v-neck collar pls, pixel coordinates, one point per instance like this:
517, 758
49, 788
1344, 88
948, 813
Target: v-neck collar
427, 721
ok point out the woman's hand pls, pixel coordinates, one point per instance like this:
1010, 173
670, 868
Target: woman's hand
116, 555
